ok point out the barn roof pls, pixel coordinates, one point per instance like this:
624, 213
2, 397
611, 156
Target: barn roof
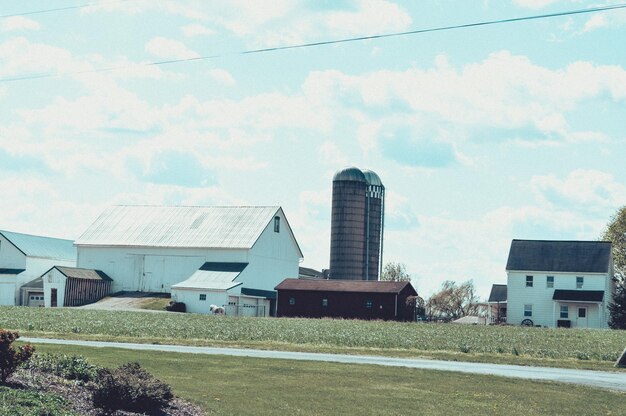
498, 293
44, 247
354, 286
213, 276
180, 226
559, 256
11, 271
87, 274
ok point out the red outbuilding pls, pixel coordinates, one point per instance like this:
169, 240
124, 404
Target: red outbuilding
348, 299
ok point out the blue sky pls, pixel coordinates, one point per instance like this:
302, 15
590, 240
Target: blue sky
480, 135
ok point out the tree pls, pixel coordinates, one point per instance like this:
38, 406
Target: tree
615, 232
452, 301
11, 358
395, 272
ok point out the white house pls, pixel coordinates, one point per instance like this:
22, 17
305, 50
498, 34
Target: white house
559, 283
176, 249
25, 257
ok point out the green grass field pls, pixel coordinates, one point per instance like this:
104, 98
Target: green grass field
246, 386
534, 346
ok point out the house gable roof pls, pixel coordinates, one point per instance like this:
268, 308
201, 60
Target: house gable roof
180, 226
354, 286
43, 247
559, 256
498, 293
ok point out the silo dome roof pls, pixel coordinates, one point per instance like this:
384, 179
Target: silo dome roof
350, 174
372, 178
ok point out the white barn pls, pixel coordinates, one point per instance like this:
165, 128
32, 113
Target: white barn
25, 257
176, 249
559, 283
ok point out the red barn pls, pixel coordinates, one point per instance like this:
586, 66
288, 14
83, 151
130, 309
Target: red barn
349, 299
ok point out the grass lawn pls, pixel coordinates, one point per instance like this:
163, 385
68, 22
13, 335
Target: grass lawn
247, 386
572, 348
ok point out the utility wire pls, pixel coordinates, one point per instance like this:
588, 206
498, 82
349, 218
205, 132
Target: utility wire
331, 42
60, 9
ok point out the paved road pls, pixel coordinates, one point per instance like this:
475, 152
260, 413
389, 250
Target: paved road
601, 379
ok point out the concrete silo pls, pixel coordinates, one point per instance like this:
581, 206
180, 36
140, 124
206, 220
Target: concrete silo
357, 225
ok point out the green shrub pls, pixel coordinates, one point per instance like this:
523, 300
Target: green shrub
10, 358
70, 367
129, 387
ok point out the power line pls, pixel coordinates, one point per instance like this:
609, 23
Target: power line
329, 42
60, 9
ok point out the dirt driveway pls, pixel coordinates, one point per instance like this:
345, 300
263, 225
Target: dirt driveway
126, 301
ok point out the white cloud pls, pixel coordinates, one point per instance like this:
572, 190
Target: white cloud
581, 189
222, 76
596, 21
164, 48
9, 24
196, 29
331, 155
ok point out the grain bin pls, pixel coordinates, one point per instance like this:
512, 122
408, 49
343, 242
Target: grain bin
356, 225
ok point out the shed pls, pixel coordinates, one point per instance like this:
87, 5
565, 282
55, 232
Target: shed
349, 299
70, 286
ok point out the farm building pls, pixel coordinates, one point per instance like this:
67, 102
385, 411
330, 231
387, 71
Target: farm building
559, 283
25, 257
182, 250
349, 299
68, 286
497, 304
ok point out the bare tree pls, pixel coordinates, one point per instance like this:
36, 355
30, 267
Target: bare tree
452, 301
395, 272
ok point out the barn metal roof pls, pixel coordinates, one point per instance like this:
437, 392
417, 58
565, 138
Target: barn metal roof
213, 276
87, 274
44, 247
355, 286
559, 256
179, 226
11, 271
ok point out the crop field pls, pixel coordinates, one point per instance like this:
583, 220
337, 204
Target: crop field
599, 345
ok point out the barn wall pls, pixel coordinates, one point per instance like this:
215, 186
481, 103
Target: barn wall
273, 258
191, 299
151, 269
340, 305
10, 257
54, 279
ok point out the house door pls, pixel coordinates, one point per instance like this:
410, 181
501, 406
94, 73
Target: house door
581, 318
53, 298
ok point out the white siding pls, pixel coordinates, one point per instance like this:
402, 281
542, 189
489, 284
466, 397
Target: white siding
545, 310
54, 279
10, 257
191, 299
151, 269
273, 258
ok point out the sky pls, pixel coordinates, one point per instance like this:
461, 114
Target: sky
480, 135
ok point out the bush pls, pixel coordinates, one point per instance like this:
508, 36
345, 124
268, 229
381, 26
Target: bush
176, 307
70, 367
10, 358
129, 387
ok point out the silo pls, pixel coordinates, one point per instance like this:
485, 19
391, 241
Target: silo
356, 225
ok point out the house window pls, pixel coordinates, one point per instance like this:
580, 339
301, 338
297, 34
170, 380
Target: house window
529, 281
369, 304
582, 312
276, 224
528, 310
202, 296
579, 282
550, 281
292, 301
324, 302
564, 312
